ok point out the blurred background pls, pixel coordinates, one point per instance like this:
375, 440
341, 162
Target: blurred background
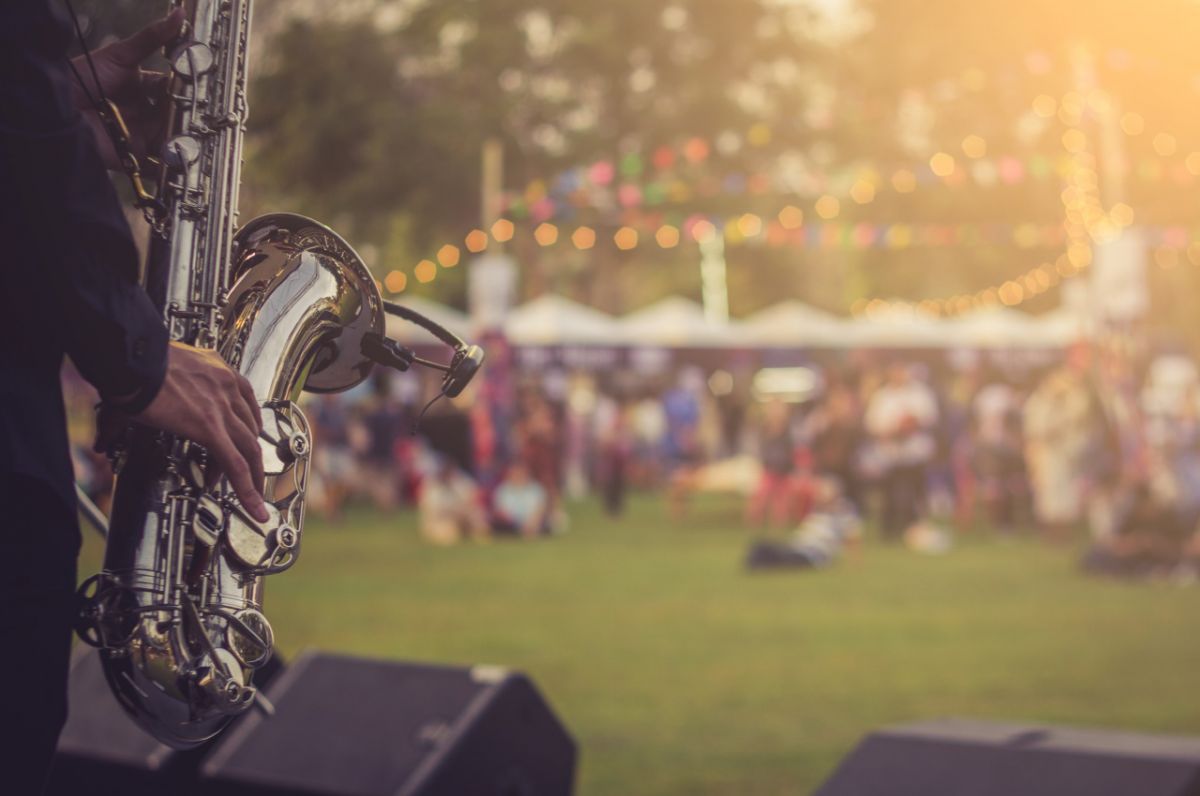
842, 361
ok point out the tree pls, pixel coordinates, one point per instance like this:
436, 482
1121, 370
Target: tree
354, 119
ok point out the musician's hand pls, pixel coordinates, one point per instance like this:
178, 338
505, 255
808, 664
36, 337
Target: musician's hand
134, 91
204, 400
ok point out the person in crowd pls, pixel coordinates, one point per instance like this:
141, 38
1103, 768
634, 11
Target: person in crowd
383, 423
450, 507
541, 448
614, 448
1118, 460
485, 441
1171, 405
1150, 538
1061, 423
731, 395
956, 423
519, 503
831, 528
649, 426
997, 456
333, 460
773, 499
578, 431
683, 450
899, 419
833, 432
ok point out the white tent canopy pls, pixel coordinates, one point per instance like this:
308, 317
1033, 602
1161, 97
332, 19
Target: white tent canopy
1063, 326
554, 320
898, 328
995, 327
676, 322
408, 332
794, 323
679, 323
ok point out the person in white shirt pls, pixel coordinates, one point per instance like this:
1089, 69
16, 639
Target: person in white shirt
449, 506
900, 419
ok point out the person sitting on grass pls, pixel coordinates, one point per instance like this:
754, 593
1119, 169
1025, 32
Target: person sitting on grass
831, 527
449, 505
519, 503
1150, 538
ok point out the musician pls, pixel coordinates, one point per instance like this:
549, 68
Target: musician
68, 272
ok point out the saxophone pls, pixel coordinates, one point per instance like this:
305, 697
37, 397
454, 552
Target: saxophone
177, 609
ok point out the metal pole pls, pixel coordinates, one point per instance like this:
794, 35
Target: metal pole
713, 283
91, 512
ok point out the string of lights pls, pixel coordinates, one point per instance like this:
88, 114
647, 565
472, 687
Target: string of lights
1085, 220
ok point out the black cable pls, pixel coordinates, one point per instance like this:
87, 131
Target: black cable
87, 56
437, 330
416, 426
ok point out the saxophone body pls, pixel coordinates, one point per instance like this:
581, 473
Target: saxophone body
177, 610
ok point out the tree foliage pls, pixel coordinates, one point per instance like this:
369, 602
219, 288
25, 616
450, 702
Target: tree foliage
366, 122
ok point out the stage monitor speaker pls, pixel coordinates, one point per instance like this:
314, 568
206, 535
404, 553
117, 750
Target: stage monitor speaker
102, 750
356, 727
960, 757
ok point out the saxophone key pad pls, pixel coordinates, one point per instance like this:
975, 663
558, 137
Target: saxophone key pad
208, 522
192, 60
284, 439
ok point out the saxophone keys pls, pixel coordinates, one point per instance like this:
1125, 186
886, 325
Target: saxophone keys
248, 635
282, 442
192, 60
209, 520
181, 151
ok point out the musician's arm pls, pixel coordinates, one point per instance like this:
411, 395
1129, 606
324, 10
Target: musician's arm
55, 185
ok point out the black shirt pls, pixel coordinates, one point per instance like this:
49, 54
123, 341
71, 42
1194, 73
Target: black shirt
68, 266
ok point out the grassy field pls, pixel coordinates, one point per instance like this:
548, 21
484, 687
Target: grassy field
679, 673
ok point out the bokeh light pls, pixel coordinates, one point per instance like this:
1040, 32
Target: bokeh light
749, 225
546, 234
476, 241
942, 164
703, 231
425, 271
828, 207
584, 238
625, 238
448, 256
395, 281
791, 217
974, 146
1164, 144
862, 192
502, 230
1045, 106
667, 236
1132, 123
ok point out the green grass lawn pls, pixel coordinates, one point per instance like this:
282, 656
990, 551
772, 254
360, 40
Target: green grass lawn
679, 673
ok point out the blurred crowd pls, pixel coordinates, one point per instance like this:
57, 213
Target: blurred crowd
1104, 441
1101, 438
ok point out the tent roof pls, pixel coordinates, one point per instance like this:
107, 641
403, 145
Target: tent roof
679, 322
900, 328
554, 320
1063, 326
793, 322
996, 327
